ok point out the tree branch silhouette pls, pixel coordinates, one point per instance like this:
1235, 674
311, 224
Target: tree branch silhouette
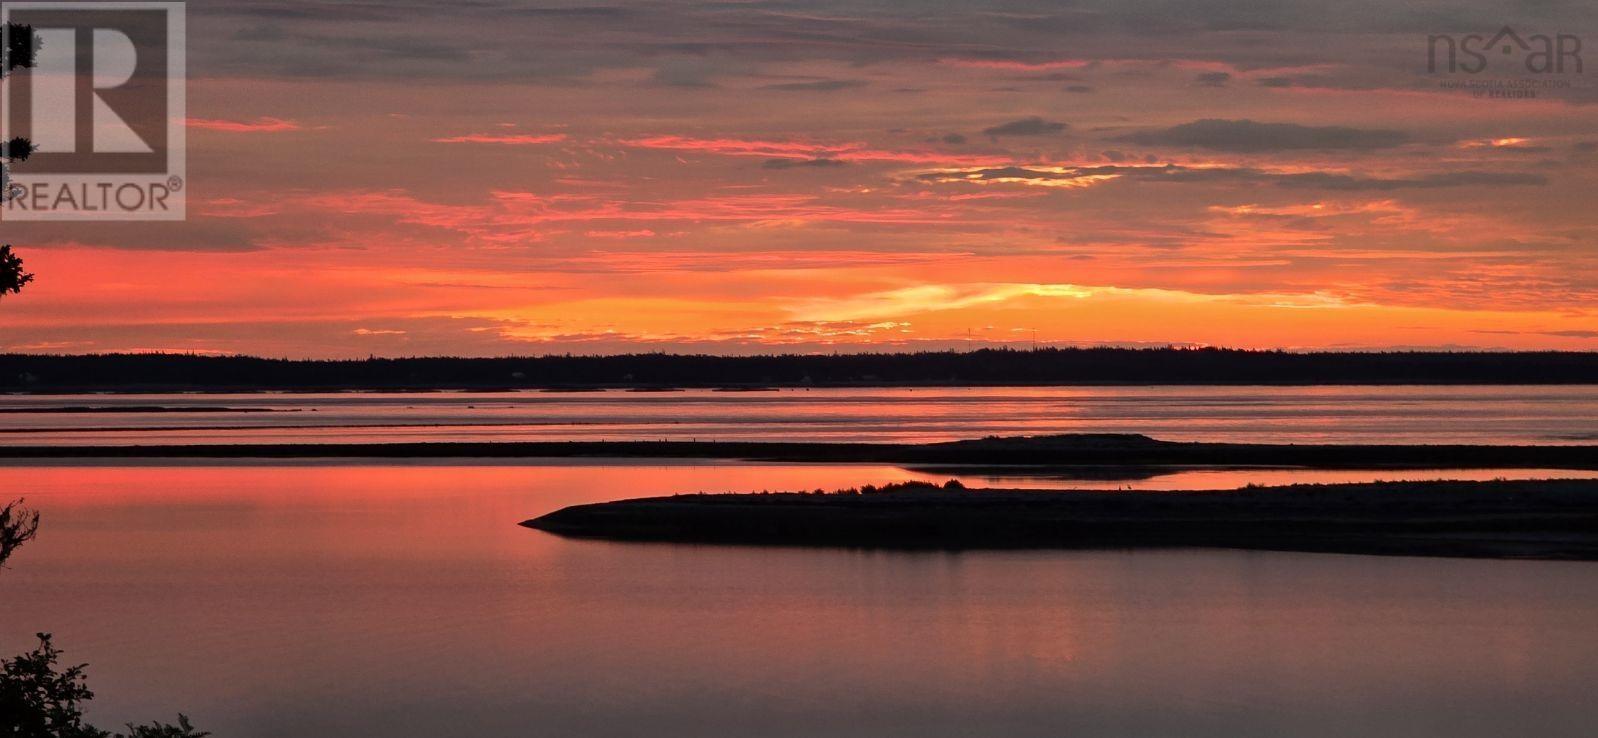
18, 525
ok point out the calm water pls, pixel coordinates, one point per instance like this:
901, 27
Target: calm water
400, 599
1303, 414
345, 599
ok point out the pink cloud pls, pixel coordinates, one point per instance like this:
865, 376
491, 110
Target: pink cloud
259, 125
744, 147
776, 149
644, 233
515, 216
725, 261
507, 139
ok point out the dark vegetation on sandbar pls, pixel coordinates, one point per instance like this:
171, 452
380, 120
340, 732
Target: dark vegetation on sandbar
1047, 366
1126, 451
1501, 519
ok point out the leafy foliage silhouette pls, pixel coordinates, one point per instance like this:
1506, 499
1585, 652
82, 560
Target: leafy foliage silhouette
12, 277
17, 149
37, 700
20, 50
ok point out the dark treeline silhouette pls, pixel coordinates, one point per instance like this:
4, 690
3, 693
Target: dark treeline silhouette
49, 373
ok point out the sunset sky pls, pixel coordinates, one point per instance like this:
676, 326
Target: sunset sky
486, 178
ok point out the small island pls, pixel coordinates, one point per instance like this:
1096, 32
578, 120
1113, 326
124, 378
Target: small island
1552, 519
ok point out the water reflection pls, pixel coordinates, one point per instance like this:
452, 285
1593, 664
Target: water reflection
336, 600
1267, 414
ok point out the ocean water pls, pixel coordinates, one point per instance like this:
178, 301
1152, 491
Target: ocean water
362, 598
1403, 414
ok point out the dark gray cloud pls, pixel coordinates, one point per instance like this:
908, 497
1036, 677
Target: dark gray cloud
954, 139
1033, 126
686, 72
506, 38
825, 85
1078, 89
196, 234
1324, 181
1248, 136
1213, 79
801, 163
1373, 77
288, 10
601, 12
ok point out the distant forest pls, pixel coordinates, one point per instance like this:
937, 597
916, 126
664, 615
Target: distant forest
1049, 366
